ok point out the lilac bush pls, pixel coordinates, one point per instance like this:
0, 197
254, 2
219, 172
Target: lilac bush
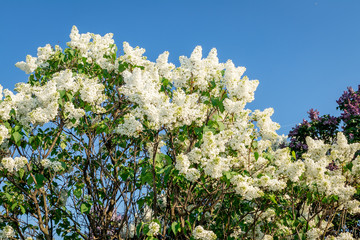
326, 128
320, 128
349, 104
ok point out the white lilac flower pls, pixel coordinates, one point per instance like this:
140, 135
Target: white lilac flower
53, 165
342, 236
91, 91
154, 228
66, 81
29, 66
20, 162
202, 234
192, 174
72, 113
4, 133
8, 163
8, 232
313, 234
182, 163
131, 127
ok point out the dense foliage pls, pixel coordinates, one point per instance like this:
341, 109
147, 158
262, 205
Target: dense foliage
100, 146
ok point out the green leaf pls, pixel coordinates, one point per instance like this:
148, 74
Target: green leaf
216, 102
30, 180
138, 229
256, 155
208, 129
78, 192
173, 227
349, 166
14, 206
168, 159
17, 137
228, 175
168, 171
147, 178
221, 126
141, 202
123, 66
62, 93
159, 158
8, 196
21, 173
62, 145
71, 52
189, 225
84, 208
69, 95
39, 180
22, 209
273, 198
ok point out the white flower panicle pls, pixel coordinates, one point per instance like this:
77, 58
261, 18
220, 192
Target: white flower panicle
38, 105
134, 56
154, 228
53, 165
72, 113
7, 232
342, 236
192, 174
13, 164
4, 133
131, 127
91, 91
29, 66
93, 47
1, 92
266, 125
182, 163
165, 68
202, 234
65, 80
44, 54
313, 234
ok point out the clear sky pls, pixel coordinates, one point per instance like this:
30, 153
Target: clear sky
304, 52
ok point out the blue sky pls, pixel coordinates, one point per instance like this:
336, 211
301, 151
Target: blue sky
304, 52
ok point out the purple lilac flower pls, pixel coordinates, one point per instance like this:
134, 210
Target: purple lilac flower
349, 102
313, 114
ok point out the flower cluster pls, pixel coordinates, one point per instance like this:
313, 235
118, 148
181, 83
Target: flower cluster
4, 133
53, 165
131, 127
154, 228
349, 102
93, 47
7, 232
38, 105
331, 182
13, 164
201, 234
44, 53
